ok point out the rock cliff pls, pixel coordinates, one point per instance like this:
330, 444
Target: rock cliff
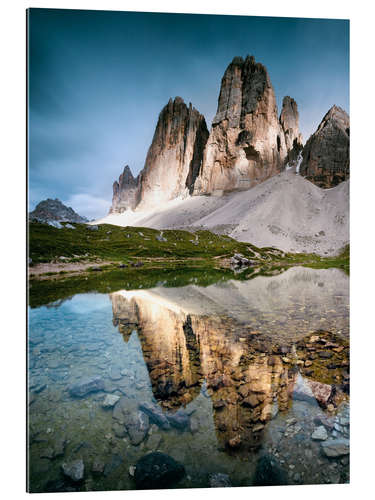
54, 210
125, 192
175, 155
289, 120
326, 153
247, 143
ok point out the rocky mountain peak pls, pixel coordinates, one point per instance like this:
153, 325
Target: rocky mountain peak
125, 192
175, 155
326, 154
289, 120
54, 210
338, 116
247, 142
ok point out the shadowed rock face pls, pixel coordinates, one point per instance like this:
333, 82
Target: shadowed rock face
326, 153
247, 142
289, 120
125, 192
175, 155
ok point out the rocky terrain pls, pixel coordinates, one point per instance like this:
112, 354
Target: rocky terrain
247, 143
326, 153
51, 211
286, 211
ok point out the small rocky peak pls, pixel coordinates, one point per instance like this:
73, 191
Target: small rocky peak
54, 210
337, 116
126, 178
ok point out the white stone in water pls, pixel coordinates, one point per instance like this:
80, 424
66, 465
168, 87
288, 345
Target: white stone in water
132, 470
110, 400
320, 434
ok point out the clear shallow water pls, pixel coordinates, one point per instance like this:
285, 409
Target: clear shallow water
241, 363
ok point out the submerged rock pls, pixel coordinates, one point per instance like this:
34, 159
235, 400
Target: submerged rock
74, 470
157, 470
156, 415
219, 480
137, 426
269, 473
179, 420
320, 434
335, 447
86, 386
110, 400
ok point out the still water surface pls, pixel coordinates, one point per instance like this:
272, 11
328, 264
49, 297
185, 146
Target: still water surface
224, 379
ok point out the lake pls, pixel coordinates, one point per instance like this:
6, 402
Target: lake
241, 382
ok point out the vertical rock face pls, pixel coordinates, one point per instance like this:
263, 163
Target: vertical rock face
289, 120
175, 155
247, 142
326, 153
125, 192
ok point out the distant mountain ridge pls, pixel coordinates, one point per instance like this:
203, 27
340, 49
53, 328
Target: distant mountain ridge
54, 210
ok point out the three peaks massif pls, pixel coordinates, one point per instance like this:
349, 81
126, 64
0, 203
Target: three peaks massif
239, 178
248, 143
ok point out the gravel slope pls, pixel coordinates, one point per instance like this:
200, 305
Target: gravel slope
286, 211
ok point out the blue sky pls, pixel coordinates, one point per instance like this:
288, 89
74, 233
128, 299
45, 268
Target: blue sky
98, 80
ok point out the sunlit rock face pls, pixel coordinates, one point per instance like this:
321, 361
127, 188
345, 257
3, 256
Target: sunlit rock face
175, 155
125, 192
247, 142
326, 153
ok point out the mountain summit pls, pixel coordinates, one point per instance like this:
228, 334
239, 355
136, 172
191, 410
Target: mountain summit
54, 210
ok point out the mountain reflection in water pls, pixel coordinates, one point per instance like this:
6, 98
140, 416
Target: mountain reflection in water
239, 369
245, 343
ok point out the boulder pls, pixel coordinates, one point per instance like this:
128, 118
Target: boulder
137, 426
86, 386
219, 480
335, 447
319, 434
269, 473
155, 414
110, 400
74, 470
157, 470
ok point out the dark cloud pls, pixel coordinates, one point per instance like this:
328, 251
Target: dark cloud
98, 80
